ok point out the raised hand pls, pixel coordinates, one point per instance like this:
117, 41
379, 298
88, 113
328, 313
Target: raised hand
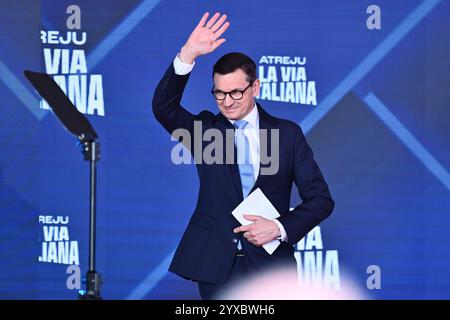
205, 38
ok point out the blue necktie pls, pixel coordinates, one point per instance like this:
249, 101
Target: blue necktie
244, 161
243, 158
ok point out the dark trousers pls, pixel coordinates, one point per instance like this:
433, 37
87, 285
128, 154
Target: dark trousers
211, 291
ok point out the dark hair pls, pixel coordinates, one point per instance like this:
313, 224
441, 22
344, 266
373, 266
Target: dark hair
233, 61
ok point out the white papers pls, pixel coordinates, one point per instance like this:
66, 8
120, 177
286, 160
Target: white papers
257, 203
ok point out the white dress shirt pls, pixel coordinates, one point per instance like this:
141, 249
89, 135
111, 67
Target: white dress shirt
251, 131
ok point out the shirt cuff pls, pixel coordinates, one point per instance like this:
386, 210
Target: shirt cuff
182, 68
283, 236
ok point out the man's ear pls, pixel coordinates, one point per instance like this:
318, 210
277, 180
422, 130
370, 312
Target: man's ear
256, 87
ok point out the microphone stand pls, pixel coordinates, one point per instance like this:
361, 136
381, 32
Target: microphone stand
77, 124
91, 151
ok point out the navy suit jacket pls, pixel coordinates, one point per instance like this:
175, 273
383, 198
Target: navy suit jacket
207, 249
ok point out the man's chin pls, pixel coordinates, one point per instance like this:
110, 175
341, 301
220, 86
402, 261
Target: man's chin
231, 115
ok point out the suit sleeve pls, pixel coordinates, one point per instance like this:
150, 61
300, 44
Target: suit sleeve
313, 190
166, 102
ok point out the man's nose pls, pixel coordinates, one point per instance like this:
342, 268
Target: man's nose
228, 102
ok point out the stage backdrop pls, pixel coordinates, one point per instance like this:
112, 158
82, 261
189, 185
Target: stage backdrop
368, 81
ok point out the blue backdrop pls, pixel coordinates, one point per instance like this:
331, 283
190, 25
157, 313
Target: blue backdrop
376, 115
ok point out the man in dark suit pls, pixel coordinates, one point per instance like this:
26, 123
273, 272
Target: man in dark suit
215, 249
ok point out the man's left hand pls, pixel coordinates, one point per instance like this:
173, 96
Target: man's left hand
260, 232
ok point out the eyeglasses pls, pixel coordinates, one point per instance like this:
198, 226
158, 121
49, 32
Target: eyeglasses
235, 94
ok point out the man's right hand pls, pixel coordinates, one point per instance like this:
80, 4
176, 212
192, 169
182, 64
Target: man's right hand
205, 38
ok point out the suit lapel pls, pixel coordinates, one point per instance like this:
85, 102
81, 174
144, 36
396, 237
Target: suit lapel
266, 124
231, 167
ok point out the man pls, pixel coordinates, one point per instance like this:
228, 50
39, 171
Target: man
215, 250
